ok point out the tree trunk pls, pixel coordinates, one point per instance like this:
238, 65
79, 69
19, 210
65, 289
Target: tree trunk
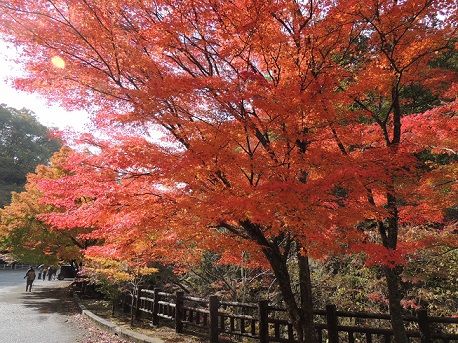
394, 298
302, 320
389, 235
281, 273
305, 284
277, 261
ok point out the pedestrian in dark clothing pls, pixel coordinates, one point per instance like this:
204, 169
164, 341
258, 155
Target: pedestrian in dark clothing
30, 275
45, 270
40, 271
51, 272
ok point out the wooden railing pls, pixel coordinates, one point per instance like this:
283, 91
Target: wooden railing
265, 323
14, 266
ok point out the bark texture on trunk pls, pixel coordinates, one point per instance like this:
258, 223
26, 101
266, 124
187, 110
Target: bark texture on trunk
389, 234
277, 257
305, 284
394, 298
281, 273
301, 316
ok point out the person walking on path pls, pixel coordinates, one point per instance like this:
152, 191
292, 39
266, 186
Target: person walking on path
45, 271
51, 272
30, 275
40, 270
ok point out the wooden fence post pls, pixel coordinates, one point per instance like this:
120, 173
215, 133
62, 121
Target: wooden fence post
125, 304
423, 325
133, 306
114, 302
263, 308
179, 311
137, 304
155, 318
213, 307
331, 322
121, 298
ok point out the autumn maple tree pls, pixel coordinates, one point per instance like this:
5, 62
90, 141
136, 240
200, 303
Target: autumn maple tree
392, 158
22, 231
263, 128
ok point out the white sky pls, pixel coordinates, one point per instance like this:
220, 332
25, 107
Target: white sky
47, 114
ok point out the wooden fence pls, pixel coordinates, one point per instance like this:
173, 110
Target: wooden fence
14, 266
264, 323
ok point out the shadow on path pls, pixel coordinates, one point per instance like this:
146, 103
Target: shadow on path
50, 299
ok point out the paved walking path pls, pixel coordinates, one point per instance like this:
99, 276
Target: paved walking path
46, 315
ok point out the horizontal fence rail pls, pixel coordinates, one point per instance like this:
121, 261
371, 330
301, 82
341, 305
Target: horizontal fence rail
14, 266
264, 323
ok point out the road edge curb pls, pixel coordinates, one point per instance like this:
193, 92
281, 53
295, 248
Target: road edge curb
110, 326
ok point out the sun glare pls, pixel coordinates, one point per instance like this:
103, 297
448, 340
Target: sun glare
58, 62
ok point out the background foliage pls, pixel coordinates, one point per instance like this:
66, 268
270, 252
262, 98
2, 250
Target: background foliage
24, 143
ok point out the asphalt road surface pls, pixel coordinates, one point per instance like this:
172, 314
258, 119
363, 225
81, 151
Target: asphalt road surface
45, 315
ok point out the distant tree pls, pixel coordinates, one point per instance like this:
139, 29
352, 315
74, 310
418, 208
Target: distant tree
24, 143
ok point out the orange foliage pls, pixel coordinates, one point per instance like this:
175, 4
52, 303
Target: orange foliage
20, 221
279, 120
